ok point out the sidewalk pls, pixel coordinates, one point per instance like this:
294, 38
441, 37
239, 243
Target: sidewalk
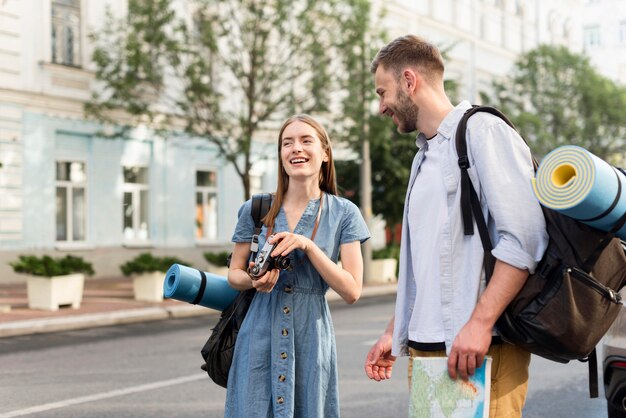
107, 302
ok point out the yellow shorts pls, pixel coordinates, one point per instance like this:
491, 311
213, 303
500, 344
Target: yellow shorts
509, 378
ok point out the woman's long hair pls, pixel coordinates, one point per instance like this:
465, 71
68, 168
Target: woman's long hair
327, 179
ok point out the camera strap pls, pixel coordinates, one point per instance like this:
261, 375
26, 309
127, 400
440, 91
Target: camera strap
260, 206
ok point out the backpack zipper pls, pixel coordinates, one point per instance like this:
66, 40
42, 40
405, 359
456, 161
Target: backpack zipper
604, 291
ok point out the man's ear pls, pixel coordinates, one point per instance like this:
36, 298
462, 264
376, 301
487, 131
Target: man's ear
411, 79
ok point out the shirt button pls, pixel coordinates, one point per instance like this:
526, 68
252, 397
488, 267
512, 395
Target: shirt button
281, 378
285, 332
288, 289
280, 399
283, 355
286, 310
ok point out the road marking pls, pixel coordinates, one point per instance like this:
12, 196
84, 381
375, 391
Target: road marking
101, 396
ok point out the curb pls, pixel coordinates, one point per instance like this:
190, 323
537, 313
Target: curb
128, 316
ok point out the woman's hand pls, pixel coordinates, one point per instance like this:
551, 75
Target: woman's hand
287, 242
265, 283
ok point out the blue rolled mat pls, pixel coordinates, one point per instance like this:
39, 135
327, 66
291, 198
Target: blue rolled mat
580, 185
183, 283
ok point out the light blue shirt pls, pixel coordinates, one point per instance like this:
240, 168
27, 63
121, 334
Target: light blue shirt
285, 361
501, 171
428, 213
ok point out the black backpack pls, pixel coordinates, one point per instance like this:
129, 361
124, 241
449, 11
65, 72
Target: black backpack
219, 349
571, 300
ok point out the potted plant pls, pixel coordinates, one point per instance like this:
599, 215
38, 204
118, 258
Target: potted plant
53, 282
148, 274
384, 265
218, 262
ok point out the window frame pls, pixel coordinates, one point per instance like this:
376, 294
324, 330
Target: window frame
61, 46
621, 32
592, 36
205, 191
135, 190
69, 218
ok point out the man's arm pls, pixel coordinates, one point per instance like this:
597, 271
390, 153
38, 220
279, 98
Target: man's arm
379, 360
472, 342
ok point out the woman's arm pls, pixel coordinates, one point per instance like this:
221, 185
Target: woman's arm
346, 281
238, 276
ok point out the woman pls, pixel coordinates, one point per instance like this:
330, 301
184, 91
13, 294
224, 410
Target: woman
285, 358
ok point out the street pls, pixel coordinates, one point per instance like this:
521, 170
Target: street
153, 370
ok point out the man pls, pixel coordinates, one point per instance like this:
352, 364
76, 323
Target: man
444, 306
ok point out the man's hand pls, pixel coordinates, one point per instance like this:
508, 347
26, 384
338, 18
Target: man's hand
379, 360
472, 342
469, 349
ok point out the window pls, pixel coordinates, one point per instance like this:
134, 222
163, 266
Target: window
66, 32
591, 36
622, 32
136, 202
71, 185
206, 205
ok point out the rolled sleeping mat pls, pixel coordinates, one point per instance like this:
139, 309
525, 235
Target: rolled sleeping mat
573, 181
197, 287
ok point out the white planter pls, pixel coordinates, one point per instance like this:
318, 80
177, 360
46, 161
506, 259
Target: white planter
382, 271
51, 292
148, 287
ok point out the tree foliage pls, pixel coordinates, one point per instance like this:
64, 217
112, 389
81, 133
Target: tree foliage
226, 73
555, 97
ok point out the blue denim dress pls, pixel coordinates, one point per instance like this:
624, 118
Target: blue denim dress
285, 362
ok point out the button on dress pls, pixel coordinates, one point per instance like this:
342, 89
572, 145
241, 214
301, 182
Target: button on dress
285, 361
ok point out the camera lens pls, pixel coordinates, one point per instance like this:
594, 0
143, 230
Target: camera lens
283, 263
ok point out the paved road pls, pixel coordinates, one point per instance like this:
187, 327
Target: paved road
152, 370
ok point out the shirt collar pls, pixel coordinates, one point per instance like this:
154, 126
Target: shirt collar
447, 128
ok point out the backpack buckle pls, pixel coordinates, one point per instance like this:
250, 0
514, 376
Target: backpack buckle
464, 162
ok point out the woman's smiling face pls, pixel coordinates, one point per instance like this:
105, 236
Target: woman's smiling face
301, 150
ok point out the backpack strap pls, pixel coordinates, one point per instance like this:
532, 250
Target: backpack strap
464, 164
261, 204
593, 374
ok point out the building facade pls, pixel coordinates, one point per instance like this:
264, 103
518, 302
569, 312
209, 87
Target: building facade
64, 187
604, 36
483, 38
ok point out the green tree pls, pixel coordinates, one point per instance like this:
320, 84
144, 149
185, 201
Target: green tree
232, 70
555, 97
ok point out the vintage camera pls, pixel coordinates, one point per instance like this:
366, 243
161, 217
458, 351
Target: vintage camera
265, 262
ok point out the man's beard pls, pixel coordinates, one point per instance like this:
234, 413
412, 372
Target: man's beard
406, 113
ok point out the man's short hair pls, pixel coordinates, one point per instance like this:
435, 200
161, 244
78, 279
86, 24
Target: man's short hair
410, 51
